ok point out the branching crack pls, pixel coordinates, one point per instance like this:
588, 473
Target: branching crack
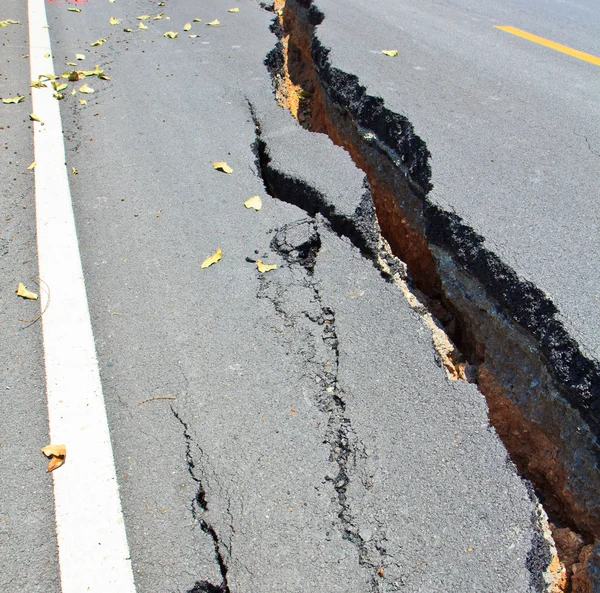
199, 508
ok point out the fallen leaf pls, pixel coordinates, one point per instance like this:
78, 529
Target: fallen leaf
214, 23
381, 572
37, 84
84, 88
213, 259
390, 52
57, 455
98, 42
73, 92
192, 36
158, 16
13, 100
73, 76
9, 22
144, 17
253, 202
197, 21
128, 30
161, 3
171, 34
74, 171
142, 26
26, 294
34, 117
113, 20
32, 166
233, 10
74, 9
58, 96
71, 63
187, 26
222, 166
82, 102
59, 87
46, 55
79, 57
263, 268
112, 1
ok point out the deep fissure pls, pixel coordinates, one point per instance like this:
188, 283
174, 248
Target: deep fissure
537, 382
199, 506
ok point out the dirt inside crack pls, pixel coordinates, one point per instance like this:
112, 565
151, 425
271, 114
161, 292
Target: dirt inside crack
546, 437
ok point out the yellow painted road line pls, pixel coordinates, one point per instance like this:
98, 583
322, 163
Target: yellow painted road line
551, 44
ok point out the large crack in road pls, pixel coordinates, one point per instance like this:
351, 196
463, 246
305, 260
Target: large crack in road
508, 336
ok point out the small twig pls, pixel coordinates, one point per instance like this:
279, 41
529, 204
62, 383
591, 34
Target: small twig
149, 399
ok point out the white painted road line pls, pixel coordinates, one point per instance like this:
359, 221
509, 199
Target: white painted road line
92, 544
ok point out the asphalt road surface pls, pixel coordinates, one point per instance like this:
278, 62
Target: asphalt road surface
293, 430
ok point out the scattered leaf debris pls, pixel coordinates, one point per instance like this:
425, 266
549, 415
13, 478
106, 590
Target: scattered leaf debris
74, 171
263, 268
233, 10
222, 166
34, 117
57, 455
171, 34
113, 20
213, 259
79, 56
142, 26
24, 293
214, 23
390, 52
84, 88
253, 202
74, 9
187, 26
98, 42
9, 22
32, 166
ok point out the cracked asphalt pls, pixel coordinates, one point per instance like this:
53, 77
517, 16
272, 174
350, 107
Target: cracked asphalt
281, 432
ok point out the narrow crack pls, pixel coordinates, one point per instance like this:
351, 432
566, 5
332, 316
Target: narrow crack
199, 508
536, 380
298, 243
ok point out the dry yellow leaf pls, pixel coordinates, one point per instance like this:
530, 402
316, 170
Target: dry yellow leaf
171, 34
390, 52
74, 9
37, 84
74, 171
213, 259
158, 16
127, 30
253, 202
197, 21
32, 166
79, 57
233, 10
14, 100
34, 117
98, 42
26, 294
192, 36
82, 102
144, 17
214, 23
113, 20
142, 26
187, 26
222, 166
84, 88
263, 267
57, 455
